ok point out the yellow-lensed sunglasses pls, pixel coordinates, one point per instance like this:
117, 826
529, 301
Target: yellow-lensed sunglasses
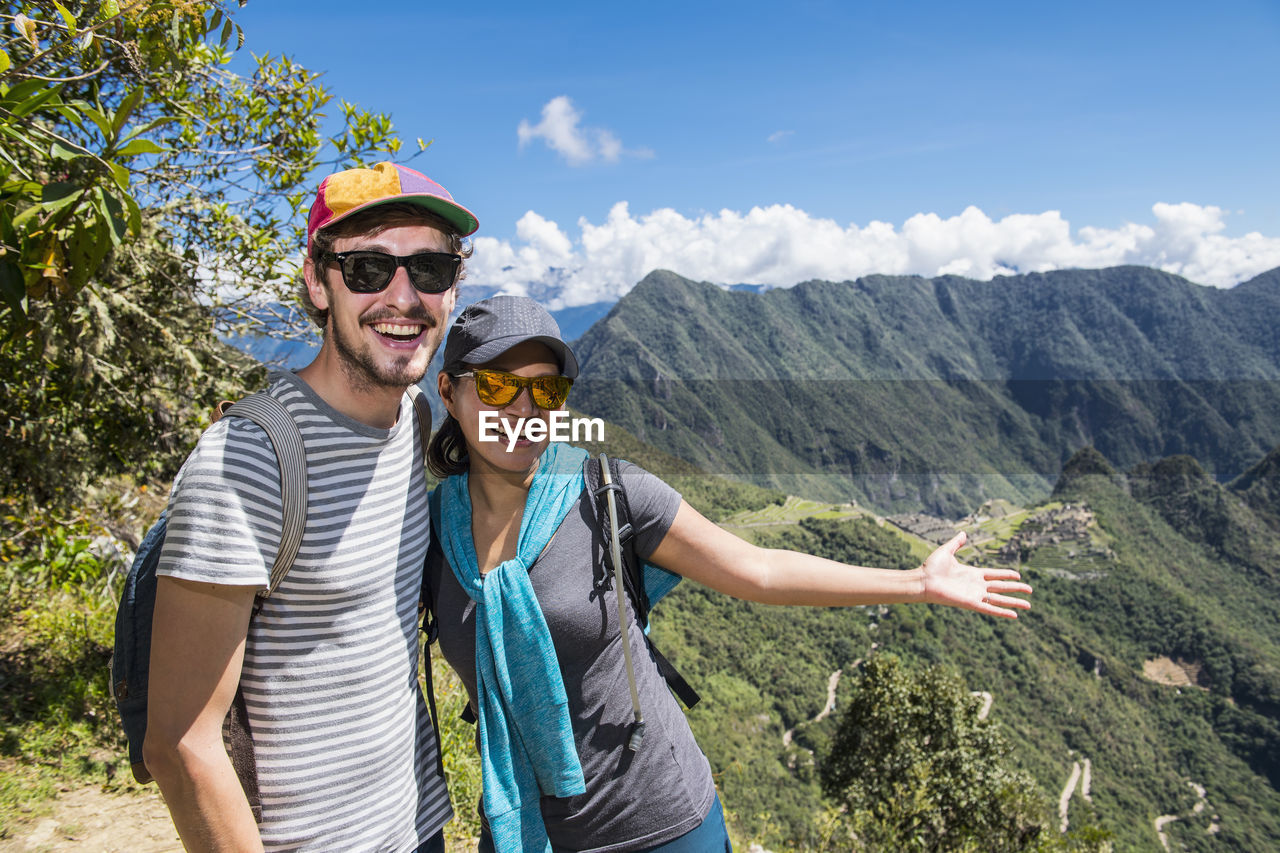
498, 388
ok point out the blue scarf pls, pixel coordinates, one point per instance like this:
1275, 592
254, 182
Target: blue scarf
526, 735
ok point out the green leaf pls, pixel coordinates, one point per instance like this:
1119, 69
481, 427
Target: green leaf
100, 119
149, 126
20, 221
4, 62
67, 18
71, 113
58, 195
12, 288
21, 91
10, 190
127, 106
120, 175
141, 146
135, 215
8, 157
35, 102
114, 214
227, 29
58, 151
110, 9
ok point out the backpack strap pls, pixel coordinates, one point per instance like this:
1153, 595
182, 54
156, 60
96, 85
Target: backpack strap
270, 414
633, 566
291, 457
426, 609
429, 625
423, 409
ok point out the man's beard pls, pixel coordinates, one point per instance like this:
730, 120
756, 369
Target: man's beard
365, 373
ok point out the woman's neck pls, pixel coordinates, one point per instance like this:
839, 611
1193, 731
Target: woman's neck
494, 491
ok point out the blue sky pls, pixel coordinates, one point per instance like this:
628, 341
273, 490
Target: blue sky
960, 127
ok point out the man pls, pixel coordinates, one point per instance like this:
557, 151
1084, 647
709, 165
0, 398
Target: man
344, 749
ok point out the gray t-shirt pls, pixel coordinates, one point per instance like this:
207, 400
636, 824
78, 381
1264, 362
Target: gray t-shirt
633, 800
345, 752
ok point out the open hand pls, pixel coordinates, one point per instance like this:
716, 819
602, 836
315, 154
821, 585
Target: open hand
948, 581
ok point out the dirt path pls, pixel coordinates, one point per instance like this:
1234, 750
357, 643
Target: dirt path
1166, 819
832, 683
1082, 775
87, 819
1064, 799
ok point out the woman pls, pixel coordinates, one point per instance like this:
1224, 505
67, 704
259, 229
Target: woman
538, 646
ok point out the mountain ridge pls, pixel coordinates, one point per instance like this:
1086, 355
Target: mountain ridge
910, 392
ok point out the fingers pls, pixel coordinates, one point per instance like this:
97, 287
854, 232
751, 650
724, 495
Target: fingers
992, 610
1006, 601
956, 543
1006, 586
1001, 605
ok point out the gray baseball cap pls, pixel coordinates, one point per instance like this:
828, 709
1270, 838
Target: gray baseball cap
488, 328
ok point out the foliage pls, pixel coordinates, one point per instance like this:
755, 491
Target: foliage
147, 192
57, 720
764, 669
914, 768
461, 757
1067, 677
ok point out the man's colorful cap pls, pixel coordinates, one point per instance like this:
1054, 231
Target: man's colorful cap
344, 193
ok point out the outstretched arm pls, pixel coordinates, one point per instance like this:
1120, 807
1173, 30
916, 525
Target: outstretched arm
700, 550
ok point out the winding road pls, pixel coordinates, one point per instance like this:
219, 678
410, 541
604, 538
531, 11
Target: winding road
832, 683
1166, 819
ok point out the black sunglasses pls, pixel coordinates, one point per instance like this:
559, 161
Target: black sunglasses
368, 271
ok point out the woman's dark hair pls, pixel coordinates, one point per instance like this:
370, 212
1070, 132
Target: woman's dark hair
447, 452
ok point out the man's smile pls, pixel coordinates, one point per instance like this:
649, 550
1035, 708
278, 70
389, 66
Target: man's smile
401, 332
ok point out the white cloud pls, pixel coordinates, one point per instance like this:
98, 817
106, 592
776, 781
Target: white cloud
781, 245
779, 135
577, 145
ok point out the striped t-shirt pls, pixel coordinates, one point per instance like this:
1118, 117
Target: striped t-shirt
345, 753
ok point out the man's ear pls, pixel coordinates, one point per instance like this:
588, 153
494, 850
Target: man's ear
315, 285
450, 300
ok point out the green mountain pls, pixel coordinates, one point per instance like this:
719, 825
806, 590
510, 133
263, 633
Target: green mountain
941, 393
1151, 658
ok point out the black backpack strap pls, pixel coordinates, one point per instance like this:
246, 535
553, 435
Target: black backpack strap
429, 624
679, 686
633, 566
426, 606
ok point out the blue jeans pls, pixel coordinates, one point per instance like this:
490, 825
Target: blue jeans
710, 836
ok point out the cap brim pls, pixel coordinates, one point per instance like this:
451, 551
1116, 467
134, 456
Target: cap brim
489, 350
